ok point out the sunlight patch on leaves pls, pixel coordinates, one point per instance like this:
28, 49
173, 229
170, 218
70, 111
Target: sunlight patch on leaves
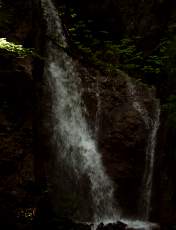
14, 48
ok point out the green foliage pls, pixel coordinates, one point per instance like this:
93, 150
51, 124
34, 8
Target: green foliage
11, 47
153, 65
98, 48
168, 52
25, 215
125, 51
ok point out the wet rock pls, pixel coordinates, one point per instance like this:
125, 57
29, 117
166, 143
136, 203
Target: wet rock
83, 227
112, 226
120, 131
59, 223
16, 90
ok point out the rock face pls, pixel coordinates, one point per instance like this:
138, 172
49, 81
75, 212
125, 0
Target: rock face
16, 90
164, 180
16, 151
114, 226
120, 132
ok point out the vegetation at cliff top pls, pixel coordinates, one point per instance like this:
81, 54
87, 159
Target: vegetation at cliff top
13, 48
109, 55
99, 49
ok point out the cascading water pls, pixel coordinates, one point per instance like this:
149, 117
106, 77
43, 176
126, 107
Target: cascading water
70, 127
152, 124
136, 103
149, 165
97, 123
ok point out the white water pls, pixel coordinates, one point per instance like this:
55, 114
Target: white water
149, 165
97, 121
141, 225
136, 103
79, 147
152, 124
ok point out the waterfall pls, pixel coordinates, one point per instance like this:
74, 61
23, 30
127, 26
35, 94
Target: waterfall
69, 125
135, 100
149, 165
97, 119
152, 124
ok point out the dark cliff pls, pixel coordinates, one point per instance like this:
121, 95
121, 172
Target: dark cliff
16, 114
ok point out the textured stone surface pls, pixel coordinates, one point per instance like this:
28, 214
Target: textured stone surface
121, 133
16, 134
